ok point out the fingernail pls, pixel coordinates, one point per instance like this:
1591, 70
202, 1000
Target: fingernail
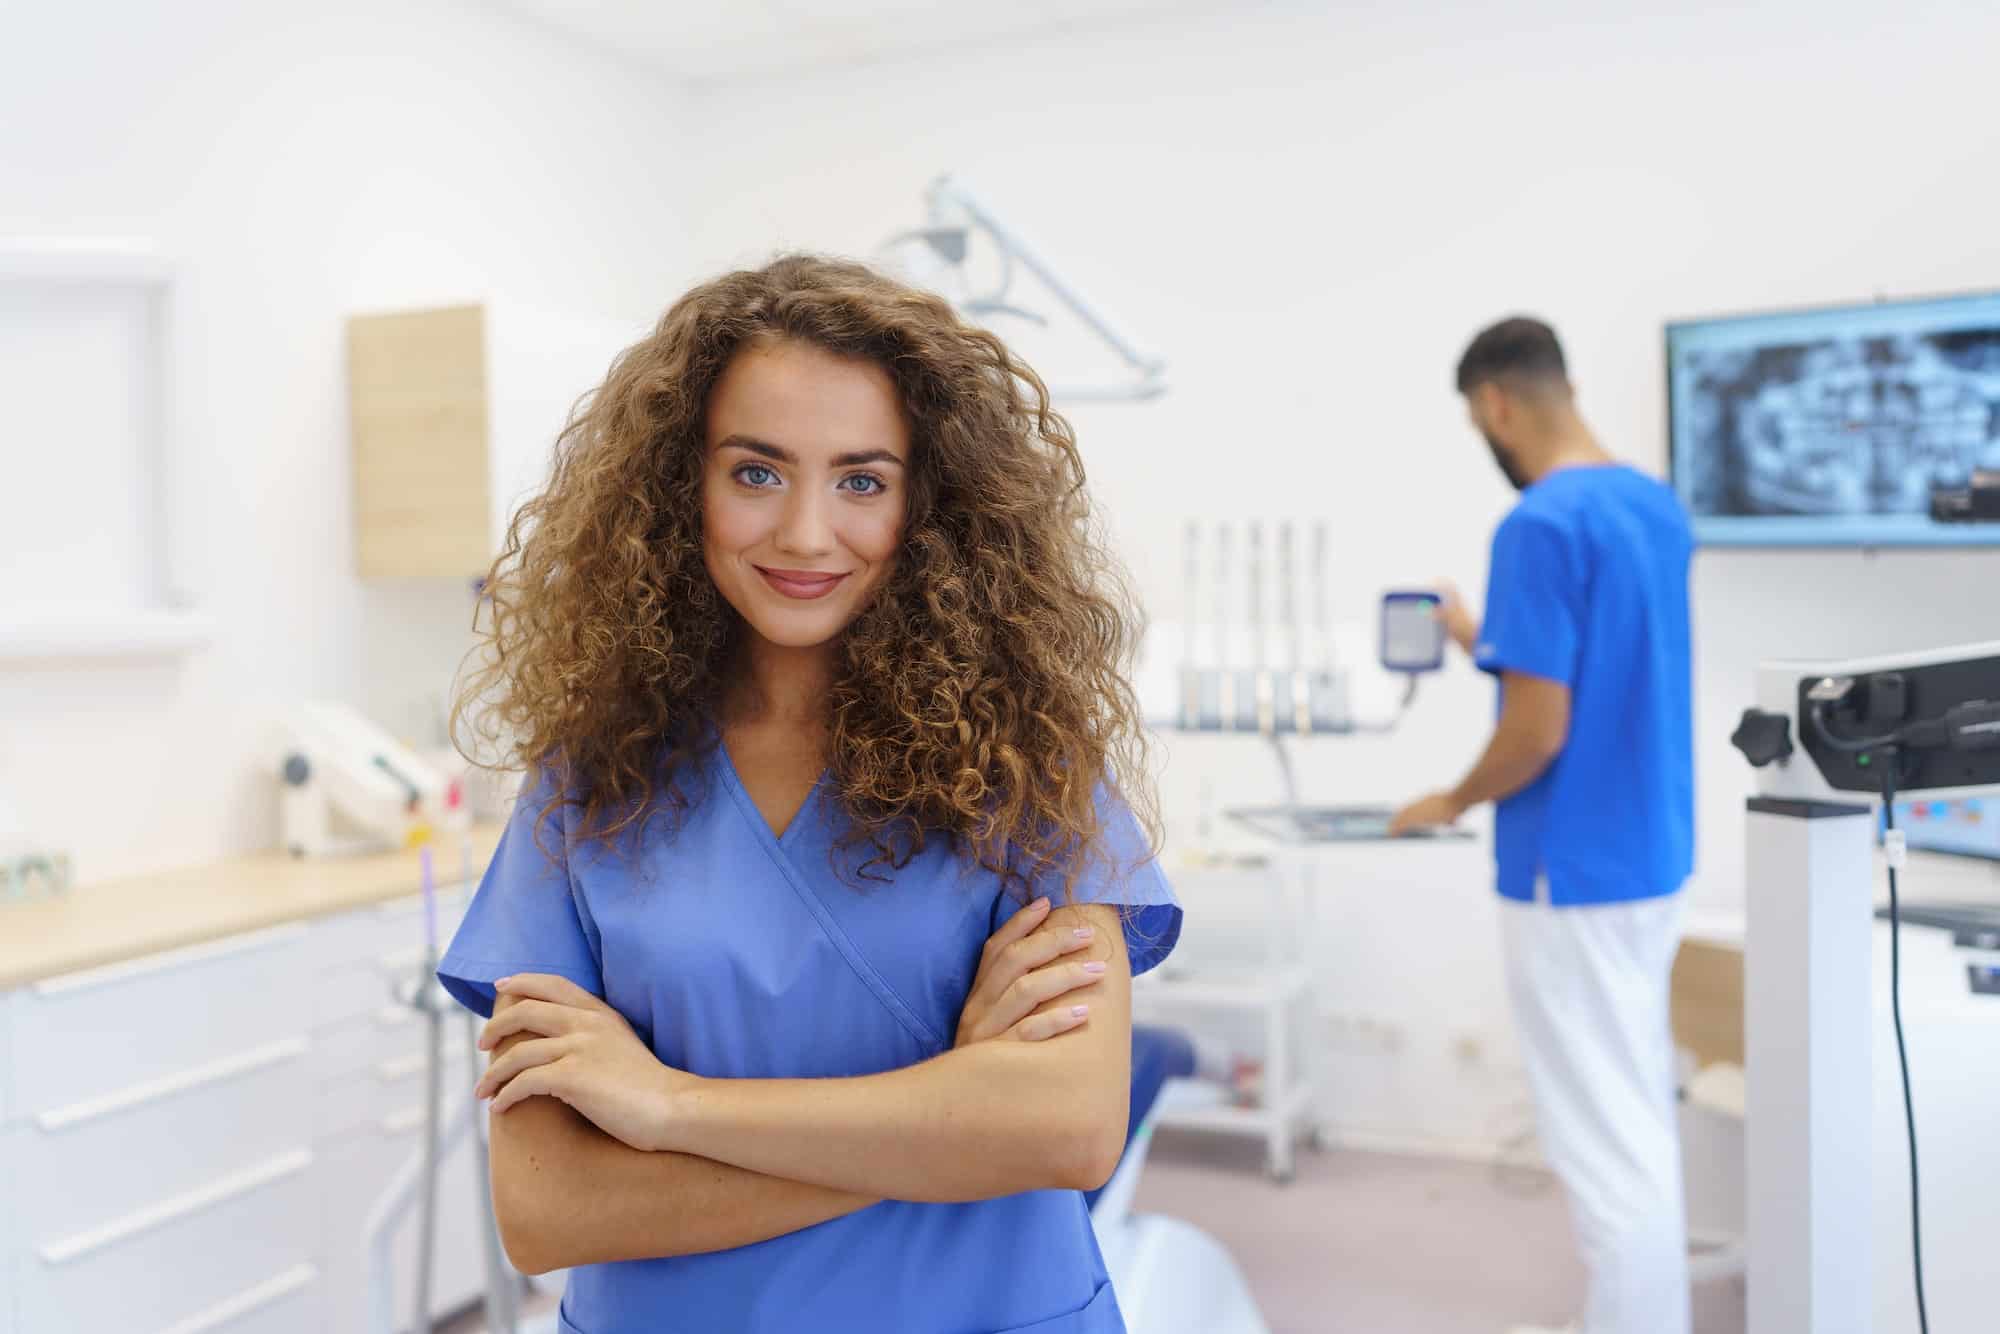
1039, 904
1093, 968
1080, 1011
1085, 932
503, 981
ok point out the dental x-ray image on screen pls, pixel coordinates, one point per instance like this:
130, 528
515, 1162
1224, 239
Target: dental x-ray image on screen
1833, 427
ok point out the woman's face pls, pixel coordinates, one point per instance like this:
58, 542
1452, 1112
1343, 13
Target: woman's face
804, 490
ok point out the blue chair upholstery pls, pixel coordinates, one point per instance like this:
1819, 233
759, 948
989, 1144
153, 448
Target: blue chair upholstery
1158, 1054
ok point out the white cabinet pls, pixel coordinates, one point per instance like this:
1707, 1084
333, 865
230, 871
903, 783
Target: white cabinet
193, 1141
453, 417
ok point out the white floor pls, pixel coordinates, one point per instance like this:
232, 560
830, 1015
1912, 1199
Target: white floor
1369, 1242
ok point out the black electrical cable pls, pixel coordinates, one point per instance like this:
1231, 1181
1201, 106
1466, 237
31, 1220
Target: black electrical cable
1885, 750
1902, 1051
1848, 745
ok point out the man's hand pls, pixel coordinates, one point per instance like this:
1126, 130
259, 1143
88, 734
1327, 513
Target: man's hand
1021, 969
1432, 812
1457, 617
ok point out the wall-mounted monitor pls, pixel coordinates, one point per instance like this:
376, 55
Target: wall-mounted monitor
1833, 427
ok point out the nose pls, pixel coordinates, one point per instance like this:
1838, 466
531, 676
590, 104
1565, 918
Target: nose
806, 528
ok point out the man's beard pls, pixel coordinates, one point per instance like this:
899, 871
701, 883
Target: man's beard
1508, 467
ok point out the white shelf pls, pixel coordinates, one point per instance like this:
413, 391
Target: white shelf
1247, 992
1229, 1120
88, 260
55, 636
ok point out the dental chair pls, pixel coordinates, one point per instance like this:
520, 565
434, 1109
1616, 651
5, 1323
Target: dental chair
1170, 1276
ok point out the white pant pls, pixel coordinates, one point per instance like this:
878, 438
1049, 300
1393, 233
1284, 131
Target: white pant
1590, 986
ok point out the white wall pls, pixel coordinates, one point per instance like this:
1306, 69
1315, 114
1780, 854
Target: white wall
1306, 213
1309, 213
300, 164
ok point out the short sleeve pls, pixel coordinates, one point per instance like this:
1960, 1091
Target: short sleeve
1533, 602
527, 916
1121, 871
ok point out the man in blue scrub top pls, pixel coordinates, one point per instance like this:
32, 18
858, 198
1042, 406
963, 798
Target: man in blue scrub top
1591, 768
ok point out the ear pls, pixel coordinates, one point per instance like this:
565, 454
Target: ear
1489, 403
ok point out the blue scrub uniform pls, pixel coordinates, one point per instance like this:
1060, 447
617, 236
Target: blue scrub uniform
738, 953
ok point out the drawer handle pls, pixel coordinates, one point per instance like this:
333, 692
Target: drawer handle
89, 978
124, 1100
398, 962
403, 1122
177, 1208
243, 1303
449, 894
402, 1067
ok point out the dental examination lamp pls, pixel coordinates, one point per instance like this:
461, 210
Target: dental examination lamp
1832, 745
939, 255
348, 786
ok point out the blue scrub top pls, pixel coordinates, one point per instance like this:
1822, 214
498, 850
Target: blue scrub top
1589, 587
737, 953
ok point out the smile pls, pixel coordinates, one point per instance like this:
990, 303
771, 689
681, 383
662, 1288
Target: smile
804, 585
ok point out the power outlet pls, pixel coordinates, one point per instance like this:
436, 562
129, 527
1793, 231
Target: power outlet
1362, 1032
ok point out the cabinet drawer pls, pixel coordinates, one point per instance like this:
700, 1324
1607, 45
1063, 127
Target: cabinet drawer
285, 1303
6, 1064
361, 1042
77, 1165
372, 956
82, 1035
364, 984
355, 1174
390, 1092
176, 1258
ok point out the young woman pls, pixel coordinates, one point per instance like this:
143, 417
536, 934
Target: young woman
816, 665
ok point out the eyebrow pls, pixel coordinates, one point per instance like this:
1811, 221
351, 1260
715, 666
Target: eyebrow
765, 449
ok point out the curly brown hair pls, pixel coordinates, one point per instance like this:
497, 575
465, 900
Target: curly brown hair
982, 694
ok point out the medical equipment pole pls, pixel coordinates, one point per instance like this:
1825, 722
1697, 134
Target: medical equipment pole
502, 1315
1808, 939
502, 1287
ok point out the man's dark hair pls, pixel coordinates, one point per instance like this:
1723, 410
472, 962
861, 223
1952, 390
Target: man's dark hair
1520, 351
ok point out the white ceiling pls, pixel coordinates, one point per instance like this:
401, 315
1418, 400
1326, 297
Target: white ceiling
706, 41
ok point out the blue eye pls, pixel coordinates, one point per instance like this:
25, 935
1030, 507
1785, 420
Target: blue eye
755, 474
865, 484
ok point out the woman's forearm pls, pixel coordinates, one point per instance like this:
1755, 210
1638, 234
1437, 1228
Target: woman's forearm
568, 1194
992, 1119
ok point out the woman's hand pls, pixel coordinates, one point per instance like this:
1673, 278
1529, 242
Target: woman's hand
583, 1053
1021, 969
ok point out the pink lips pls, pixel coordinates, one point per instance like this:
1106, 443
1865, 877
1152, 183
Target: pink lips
804, 585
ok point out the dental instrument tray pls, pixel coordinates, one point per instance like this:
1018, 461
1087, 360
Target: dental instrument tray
1330, 824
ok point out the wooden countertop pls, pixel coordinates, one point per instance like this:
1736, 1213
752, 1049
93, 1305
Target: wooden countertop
124, 919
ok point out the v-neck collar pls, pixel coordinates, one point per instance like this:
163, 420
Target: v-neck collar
748, 804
